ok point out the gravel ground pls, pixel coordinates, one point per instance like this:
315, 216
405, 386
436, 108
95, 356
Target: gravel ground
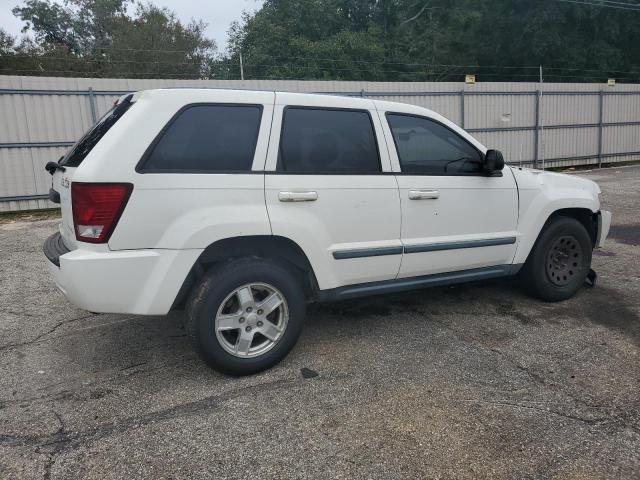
468, 381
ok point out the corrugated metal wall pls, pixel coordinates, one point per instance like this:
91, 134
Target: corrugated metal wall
549, 124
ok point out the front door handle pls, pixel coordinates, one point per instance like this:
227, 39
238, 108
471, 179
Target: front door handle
423, 194
298, 196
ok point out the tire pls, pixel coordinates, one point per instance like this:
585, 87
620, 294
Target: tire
226, 326
559, 261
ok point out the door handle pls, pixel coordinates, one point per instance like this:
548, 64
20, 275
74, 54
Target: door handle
298, 196
423, 194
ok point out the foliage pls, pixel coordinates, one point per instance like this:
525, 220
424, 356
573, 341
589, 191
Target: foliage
437, 40
385, 40
99, 38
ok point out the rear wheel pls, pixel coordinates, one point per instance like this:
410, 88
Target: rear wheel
559, 261
245, 316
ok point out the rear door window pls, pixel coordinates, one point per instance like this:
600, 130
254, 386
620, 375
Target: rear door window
319, 140
206, 139
90, 139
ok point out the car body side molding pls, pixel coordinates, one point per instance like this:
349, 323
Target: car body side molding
428, 247
434, 247
367, 252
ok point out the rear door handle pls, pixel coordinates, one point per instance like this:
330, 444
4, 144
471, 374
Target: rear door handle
423, 194
298, 196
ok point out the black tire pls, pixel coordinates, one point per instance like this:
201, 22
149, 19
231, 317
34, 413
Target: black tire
216, 285
559, 261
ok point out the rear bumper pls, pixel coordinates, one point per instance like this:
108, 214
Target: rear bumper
143, 282
54, 248
604, 223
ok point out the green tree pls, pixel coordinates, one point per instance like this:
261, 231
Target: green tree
100, 38
308, 39
437, 40
394, 40
155, 43
27, 57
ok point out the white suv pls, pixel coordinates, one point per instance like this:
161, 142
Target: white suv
242, 206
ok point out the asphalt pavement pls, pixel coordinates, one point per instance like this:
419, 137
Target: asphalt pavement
469, 381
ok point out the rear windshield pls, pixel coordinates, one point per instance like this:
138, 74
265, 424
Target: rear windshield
90, 139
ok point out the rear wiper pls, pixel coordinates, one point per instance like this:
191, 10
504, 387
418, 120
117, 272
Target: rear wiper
51, 167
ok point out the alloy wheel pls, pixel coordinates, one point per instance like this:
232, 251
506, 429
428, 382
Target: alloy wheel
251, 320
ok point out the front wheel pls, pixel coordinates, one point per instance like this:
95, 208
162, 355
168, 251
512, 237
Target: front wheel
245, 316
559, 261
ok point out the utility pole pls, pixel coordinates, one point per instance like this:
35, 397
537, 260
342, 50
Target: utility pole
241, 68
542, 152
540, 74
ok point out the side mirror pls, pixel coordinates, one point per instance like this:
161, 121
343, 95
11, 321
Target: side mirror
493, 161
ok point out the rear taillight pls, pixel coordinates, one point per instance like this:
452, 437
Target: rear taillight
97, 208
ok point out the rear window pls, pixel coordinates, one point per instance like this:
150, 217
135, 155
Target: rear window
206, 139
90, 139
321, 140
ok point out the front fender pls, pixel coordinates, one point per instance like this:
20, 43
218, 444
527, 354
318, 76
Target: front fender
544, 193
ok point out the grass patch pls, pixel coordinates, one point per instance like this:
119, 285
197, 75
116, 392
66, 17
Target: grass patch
30, 215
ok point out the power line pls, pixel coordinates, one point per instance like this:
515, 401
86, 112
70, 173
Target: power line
441, 74
614, 2
611, 4
469, 67
103, 62
620, 3
368, 62
334, 60
433, 69
293, 67
632, 7
382, 64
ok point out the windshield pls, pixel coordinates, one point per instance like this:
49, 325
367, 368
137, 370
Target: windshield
80, 150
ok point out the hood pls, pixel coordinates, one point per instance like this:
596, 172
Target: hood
532, 178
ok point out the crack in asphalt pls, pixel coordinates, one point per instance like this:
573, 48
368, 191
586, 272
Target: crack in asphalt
70, 392
616, 416
57, 449
588, 421
39, 337
63, 440
534, 376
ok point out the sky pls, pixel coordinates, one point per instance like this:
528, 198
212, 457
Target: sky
218, 14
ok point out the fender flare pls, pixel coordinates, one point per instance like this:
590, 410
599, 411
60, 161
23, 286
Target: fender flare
276, 247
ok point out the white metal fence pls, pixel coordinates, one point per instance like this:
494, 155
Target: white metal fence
543, 125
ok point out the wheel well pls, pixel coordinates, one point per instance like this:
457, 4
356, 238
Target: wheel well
585, 216
281, 249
